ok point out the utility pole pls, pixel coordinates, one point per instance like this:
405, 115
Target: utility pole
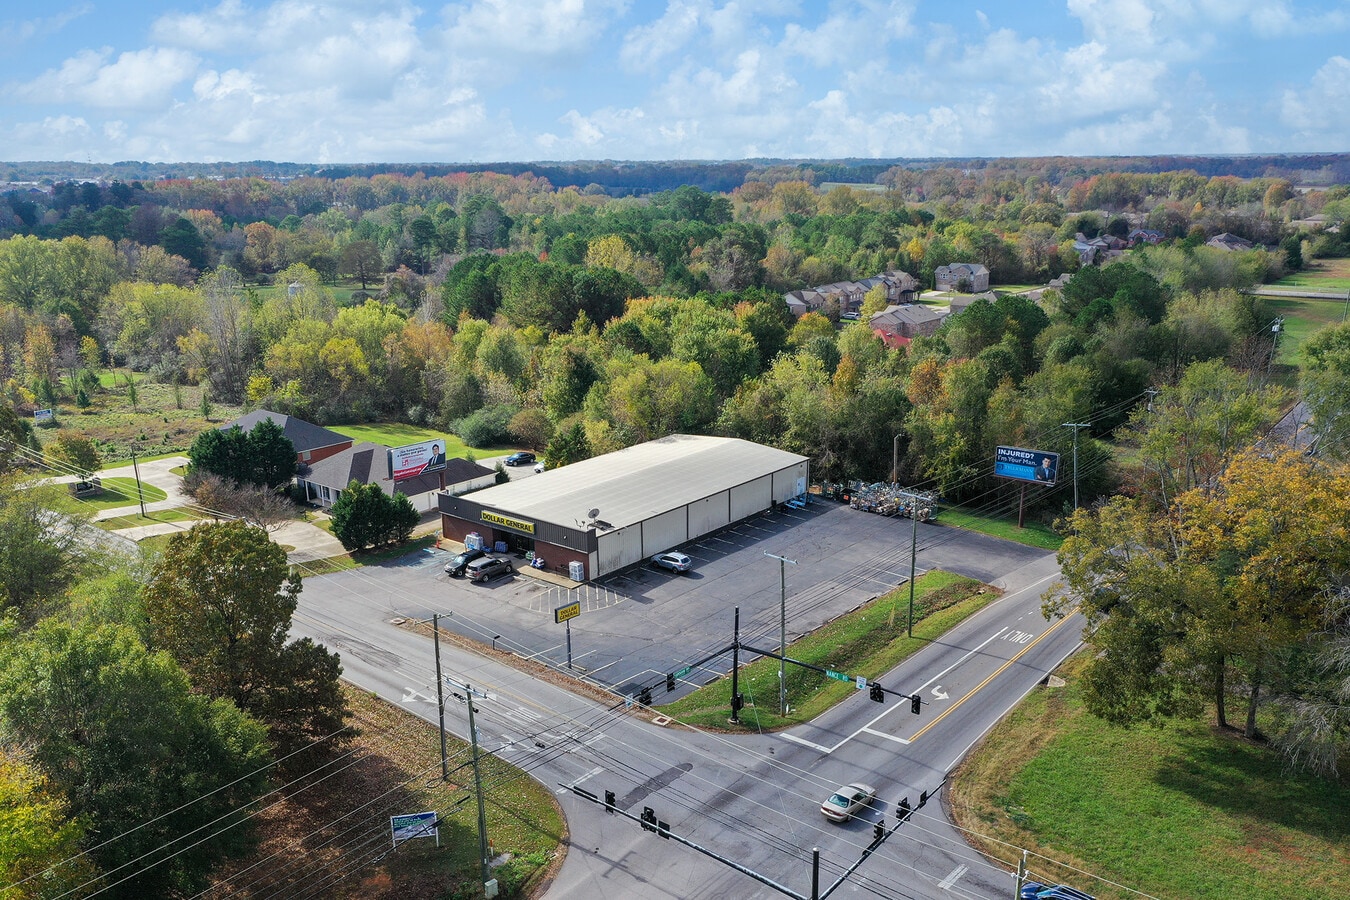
913, 553
140, 494
1274, 342
736, 668
895, 459
1075, 426
478, 787
440, 692
782, 629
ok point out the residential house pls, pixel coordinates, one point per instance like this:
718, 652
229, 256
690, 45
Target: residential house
901, 287
367, 463
1144, 236
1229, 242
312, 442
965, 278
1098, 250
898, 325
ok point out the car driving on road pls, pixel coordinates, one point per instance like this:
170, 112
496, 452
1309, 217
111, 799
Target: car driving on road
848, 801
1035, 891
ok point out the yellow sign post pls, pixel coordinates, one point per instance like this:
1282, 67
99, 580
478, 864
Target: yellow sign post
567, 614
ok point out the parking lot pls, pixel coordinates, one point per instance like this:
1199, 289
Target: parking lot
640, 623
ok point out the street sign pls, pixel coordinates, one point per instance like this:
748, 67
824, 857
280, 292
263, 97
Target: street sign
861, 683
683, 672
837, 676
562, 613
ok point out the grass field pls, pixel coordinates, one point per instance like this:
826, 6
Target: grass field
1177, 811
1034, 534
864, 642
395, 768
116, 492
1320, 275
394, 434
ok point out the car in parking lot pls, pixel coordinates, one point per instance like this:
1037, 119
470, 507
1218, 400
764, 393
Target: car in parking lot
488, 568
539, 467
519, 459
460, 561
675, 562
848, 801
1033, 890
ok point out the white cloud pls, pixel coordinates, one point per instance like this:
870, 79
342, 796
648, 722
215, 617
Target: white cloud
1321, 112
21, 31
135, 79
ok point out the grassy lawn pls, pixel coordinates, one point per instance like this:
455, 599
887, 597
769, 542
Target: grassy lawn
1302, 319
394, 434
116, 492
151, 518
863, 642
1320, 275
396, 769
1034, 534
1178, 811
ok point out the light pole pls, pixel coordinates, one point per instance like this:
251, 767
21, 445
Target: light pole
782, 629
1274, 342
895, 458
913, 552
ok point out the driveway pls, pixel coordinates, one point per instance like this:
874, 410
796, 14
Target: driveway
308, 542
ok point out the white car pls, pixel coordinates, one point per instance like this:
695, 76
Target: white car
675, 562
848, 801
539, 467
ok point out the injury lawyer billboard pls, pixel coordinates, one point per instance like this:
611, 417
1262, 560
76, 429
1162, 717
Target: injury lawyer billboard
417, 459
1021, 464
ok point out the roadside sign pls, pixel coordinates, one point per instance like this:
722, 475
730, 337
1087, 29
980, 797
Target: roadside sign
44, 416
415, 825
562, 613
861, 683
837, 676
683, 672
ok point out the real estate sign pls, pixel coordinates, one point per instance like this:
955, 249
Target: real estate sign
417, 459
1021, 464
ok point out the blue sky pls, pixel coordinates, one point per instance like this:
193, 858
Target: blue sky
528, 80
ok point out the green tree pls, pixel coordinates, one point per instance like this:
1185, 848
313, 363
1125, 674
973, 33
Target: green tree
365, 516
361, 260
1326, 388
272, 455
77, 451
223, 452
569, 444
39, 552
220, 601
41, 842
134, 753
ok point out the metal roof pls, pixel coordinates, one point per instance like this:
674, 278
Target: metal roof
638, 482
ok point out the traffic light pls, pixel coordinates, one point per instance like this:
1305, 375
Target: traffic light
878, 693
923, 798
645, 696
670, 682
663, 829
878, 831
648, 819
902, 812
915, 704
609, 802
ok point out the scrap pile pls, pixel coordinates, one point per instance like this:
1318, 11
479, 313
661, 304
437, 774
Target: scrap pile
892, 500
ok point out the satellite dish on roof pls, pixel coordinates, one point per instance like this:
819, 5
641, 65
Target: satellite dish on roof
593, 513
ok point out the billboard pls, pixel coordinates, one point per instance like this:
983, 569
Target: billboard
1040, 466
417, 459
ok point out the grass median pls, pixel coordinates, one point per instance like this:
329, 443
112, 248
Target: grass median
869, 641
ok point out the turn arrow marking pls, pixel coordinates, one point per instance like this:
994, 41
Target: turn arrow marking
939, 693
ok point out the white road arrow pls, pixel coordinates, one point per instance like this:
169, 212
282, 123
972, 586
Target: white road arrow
411, 694
939, 693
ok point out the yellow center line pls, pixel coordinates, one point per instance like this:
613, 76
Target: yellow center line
949, 710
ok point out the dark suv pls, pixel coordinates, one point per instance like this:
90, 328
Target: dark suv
455, 567
488, 568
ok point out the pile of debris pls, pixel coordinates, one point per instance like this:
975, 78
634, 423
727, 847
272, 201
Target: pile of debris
887, 499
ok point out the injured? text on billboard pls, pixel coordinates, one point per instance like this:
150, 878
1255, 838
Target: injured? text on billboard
417, 459
1021, 464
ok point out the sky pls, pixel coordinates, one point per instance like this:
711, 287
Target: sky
353, 81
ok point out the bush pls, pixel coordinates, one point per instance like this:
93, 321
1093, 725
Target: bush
487, 427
